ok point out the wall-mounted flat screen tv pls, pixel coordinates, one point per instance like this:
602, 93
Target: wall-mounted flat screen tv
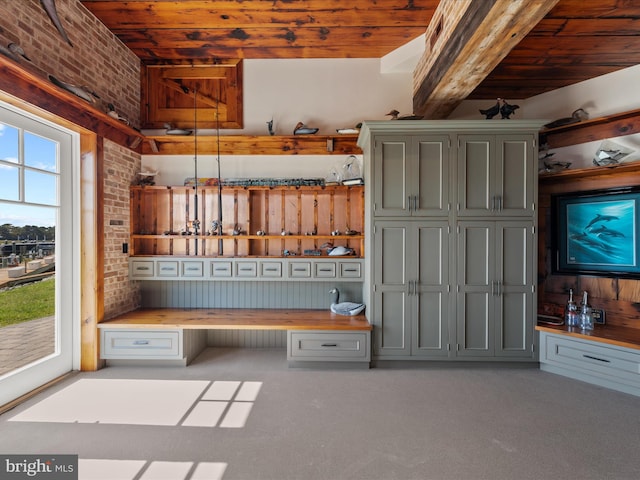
597, 232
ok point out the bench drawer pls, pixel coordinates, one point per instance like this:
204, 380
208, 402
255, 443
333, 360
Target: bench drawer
221, 269
192, 269
132, 344
606, 365
300, 269
142, 268
167, 268
246, 269
325, 270
271, 269
328, 346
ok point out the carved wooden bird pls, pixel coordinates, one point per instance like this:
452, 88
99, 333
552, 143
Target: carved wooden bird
491, 112
507, 110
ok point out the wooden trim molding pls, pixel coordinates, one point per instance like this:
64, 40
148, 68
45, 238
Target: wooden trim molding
32, 87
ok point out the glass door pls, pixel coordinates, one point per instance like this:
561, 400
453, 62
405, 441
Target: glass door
38, 245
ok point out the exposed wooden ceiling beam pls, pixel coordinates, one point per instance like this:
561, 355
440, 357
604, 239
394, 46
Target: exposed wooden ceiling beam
465, 41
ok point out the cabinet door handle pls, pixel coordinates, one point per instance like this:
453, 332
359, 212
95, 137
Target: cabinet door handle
415, 203
499, 199
596, 358
409, 202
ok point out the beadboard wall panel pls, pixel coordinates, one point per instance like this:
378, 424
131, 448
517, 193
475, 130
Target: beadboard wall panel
219, 294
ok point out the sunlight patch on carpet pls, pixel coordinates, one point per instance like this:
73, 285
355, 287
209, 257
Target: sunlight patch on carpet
130, 402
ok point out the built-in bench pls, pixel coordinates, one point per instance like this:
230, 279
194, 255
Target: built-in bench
171, 333
608, 355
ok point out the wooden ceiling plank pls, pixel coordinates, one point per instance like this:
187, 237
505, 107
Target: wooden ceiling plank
271, 37
478, 37
201, 14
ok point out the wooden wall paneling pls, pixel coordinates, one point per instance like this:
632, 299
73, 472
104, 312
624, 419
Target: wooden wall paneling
619, 297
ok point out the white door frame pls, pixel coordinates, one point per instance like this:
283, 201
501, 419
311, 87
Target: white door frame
67, 355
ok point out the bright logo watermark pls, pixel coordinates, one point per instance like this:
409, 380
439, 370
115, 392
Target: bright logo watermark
50, 467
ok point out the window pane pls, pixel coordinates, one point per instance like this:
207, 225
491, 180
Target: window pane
40, 153
9, 183
40, 187
8, 143
22, 215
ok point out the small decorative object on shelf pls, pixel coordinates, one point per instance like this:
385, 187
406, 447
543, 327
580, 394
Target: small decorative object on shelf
395, 115
586, 316
302, 129
577, 116
610, 154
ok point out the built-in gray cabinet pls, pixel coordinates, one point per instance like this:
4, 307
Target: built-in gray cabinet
450, 229
496, 175
494, 292
411, 176
411, 288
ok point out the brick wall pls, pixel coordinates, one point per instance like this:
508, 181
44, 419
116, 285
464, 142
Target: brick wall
120, 168
97, 58
101, 62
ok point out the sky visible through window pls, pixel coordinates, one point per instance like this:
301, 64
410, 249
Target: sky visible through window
38, 166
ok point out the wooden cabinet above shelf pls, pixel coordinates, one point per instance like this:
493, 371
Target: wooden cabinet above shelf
616, 125
252, 145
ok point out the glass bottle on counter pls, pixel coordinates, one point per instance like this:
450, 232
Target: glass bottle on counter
571, 315
586, 314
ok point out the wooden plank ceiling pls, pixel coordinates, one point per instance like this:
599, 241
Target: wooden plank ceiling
575, 41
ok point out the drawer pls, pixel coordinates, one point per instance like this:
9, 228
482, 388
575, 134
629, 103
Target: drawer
271, 269
300, 269
167, 268
142, 268
328, 346
141, 344
192, 269
595, 359
350, 270
221, 269
324, 270
246, 269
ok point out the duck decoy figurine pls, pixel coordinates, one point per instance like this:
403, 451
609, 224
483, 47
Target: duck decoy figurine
395, 115
491, 112
111, 111
18, 50
344, 308
507, 110
302, 129
171, 130
577, 116
272, 132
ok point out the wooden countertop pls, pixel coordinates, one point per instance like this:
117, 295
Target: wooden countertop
238, 319
611, 334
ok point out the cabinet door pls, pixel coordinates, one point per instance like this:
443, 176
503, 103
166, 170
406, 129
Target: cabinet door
391, 309
516, 175
476, 177
476, 289
430, 293
515, 302
390, 172
429, 176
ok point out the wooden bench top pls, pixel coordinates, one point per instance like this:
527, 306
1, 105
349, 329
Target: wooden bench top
611, 334
237, 319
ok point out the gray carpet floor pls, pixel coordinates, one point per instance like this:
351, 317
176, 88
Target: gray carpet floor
396, 421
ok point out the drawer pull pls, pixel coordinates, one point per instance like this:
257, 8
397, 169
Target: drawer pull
167, 269
329, 345
299, 269
193, 269
325, 269
270, 269
142, 268
596, 358
221, 269
141, 342
247, 269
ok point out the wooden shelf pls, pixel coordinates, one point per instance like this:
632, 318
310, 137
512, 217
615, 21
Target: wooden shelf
252, 145
616, 125
571, 175
30, 85
297, 210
